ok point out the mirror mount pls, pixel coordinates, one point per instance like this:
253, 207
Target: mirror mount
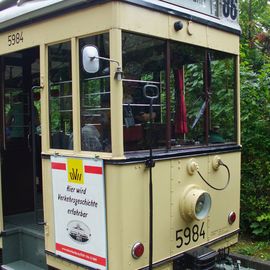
91, 61
119, 73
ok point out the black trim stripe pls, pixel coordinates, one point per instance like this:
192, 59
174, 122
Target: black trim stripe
168, 260
137, 157
1, 256
174, 154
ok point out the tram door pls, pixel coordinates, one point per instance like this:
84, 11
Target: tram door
20, 147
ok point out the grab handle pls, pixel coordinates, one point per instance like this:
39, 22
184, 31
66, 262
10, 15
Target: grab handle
151, 91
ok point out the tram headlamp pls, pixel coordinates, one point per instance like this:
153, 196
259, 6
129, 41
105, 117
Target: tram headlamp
195, 204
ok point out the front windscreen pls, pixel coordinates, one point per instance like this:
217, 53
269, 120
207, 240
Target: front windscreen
196, 105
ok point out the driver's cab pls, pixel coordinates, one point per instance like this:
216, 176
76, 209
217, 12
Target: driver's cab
195, 106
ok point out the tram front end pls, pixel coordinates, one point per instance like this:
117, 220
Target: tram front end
193, 221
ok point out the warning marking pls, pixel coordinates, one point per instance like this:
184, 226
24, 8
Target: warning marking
93, 169
81, 254
58, 166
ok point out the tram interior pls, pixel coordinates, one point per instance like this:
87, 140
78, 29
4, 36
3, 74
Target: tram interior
21, 162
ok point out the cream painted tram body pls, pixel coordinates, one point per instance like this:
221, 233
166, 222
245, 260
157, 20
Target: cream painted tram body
97, 97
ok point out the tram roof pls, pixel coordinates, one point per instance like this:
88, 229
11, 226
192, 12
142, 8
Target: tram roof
18, 12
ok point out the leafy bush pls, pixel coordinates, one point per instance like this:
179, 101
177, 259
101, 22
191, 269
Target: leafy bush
255, 193
262, 225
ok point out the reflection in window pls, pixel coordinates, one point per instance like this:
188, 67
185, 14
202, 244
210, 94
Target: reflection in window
16, 104
202, 96
200, 91
143, 62
95, 99
222, 114
60, 96
187, 94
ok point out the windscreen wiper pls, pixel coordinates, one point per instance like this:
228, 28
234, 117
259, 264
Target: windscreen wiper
208, 81
199, 115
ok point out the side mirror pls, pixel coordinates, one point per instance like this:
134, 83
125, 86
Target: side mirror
90, 58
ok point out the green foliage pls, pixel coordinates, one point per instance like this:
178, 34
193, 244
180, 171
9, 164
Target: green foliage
255, 117
221, 97
253, 16
255, 103
259, 249
261, 227
222, 100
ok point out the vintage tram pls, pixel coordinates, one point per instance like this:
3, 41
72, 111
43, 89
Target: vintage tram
120, 133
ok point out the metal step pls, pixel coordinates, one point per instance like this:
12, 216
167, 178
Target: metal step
23, 244
20, 265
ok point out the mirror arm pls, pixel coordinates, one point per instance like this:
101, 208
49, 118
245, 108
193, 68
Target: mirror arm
104, 58
119, 73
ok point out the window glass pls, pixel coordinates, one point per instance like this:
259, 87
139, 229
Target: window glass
202, 89
16, 101
95, 99
201, 95
222, 103
144, 68
187, 95
60, 96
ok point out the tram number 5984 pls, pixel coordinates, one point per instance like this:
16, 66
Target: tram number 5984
15, 38
187, 235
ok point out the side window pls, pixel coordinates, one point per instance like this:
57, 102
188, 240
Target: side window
95, 112
222, 107
144, 65
202, 96
60, 96
187, 95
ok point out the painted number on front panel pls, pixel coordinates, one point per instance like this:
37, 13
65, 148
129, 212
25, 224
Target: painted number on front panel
188, 235
15, 38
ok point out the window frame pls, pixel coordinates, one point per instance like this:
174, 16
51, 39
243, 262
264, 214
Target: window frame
48, 95
80, 68
206, 115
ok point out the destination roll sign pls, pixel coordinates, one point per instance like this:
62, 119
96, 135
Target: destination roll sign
225, 9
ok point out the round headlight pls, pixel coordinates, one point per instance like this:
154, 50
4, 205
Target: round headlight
195, 204
202, 206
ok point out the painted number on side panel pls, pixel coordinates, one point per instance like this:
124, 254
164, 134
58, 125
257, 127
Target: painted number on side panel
15, 38
187, 235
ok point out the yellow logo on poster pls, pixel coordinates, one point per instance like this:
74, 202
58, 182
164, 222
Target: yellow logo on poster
75, 171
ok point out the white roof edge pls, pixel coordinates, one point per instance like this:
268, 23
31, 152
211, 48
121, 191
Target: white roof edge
32, 10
